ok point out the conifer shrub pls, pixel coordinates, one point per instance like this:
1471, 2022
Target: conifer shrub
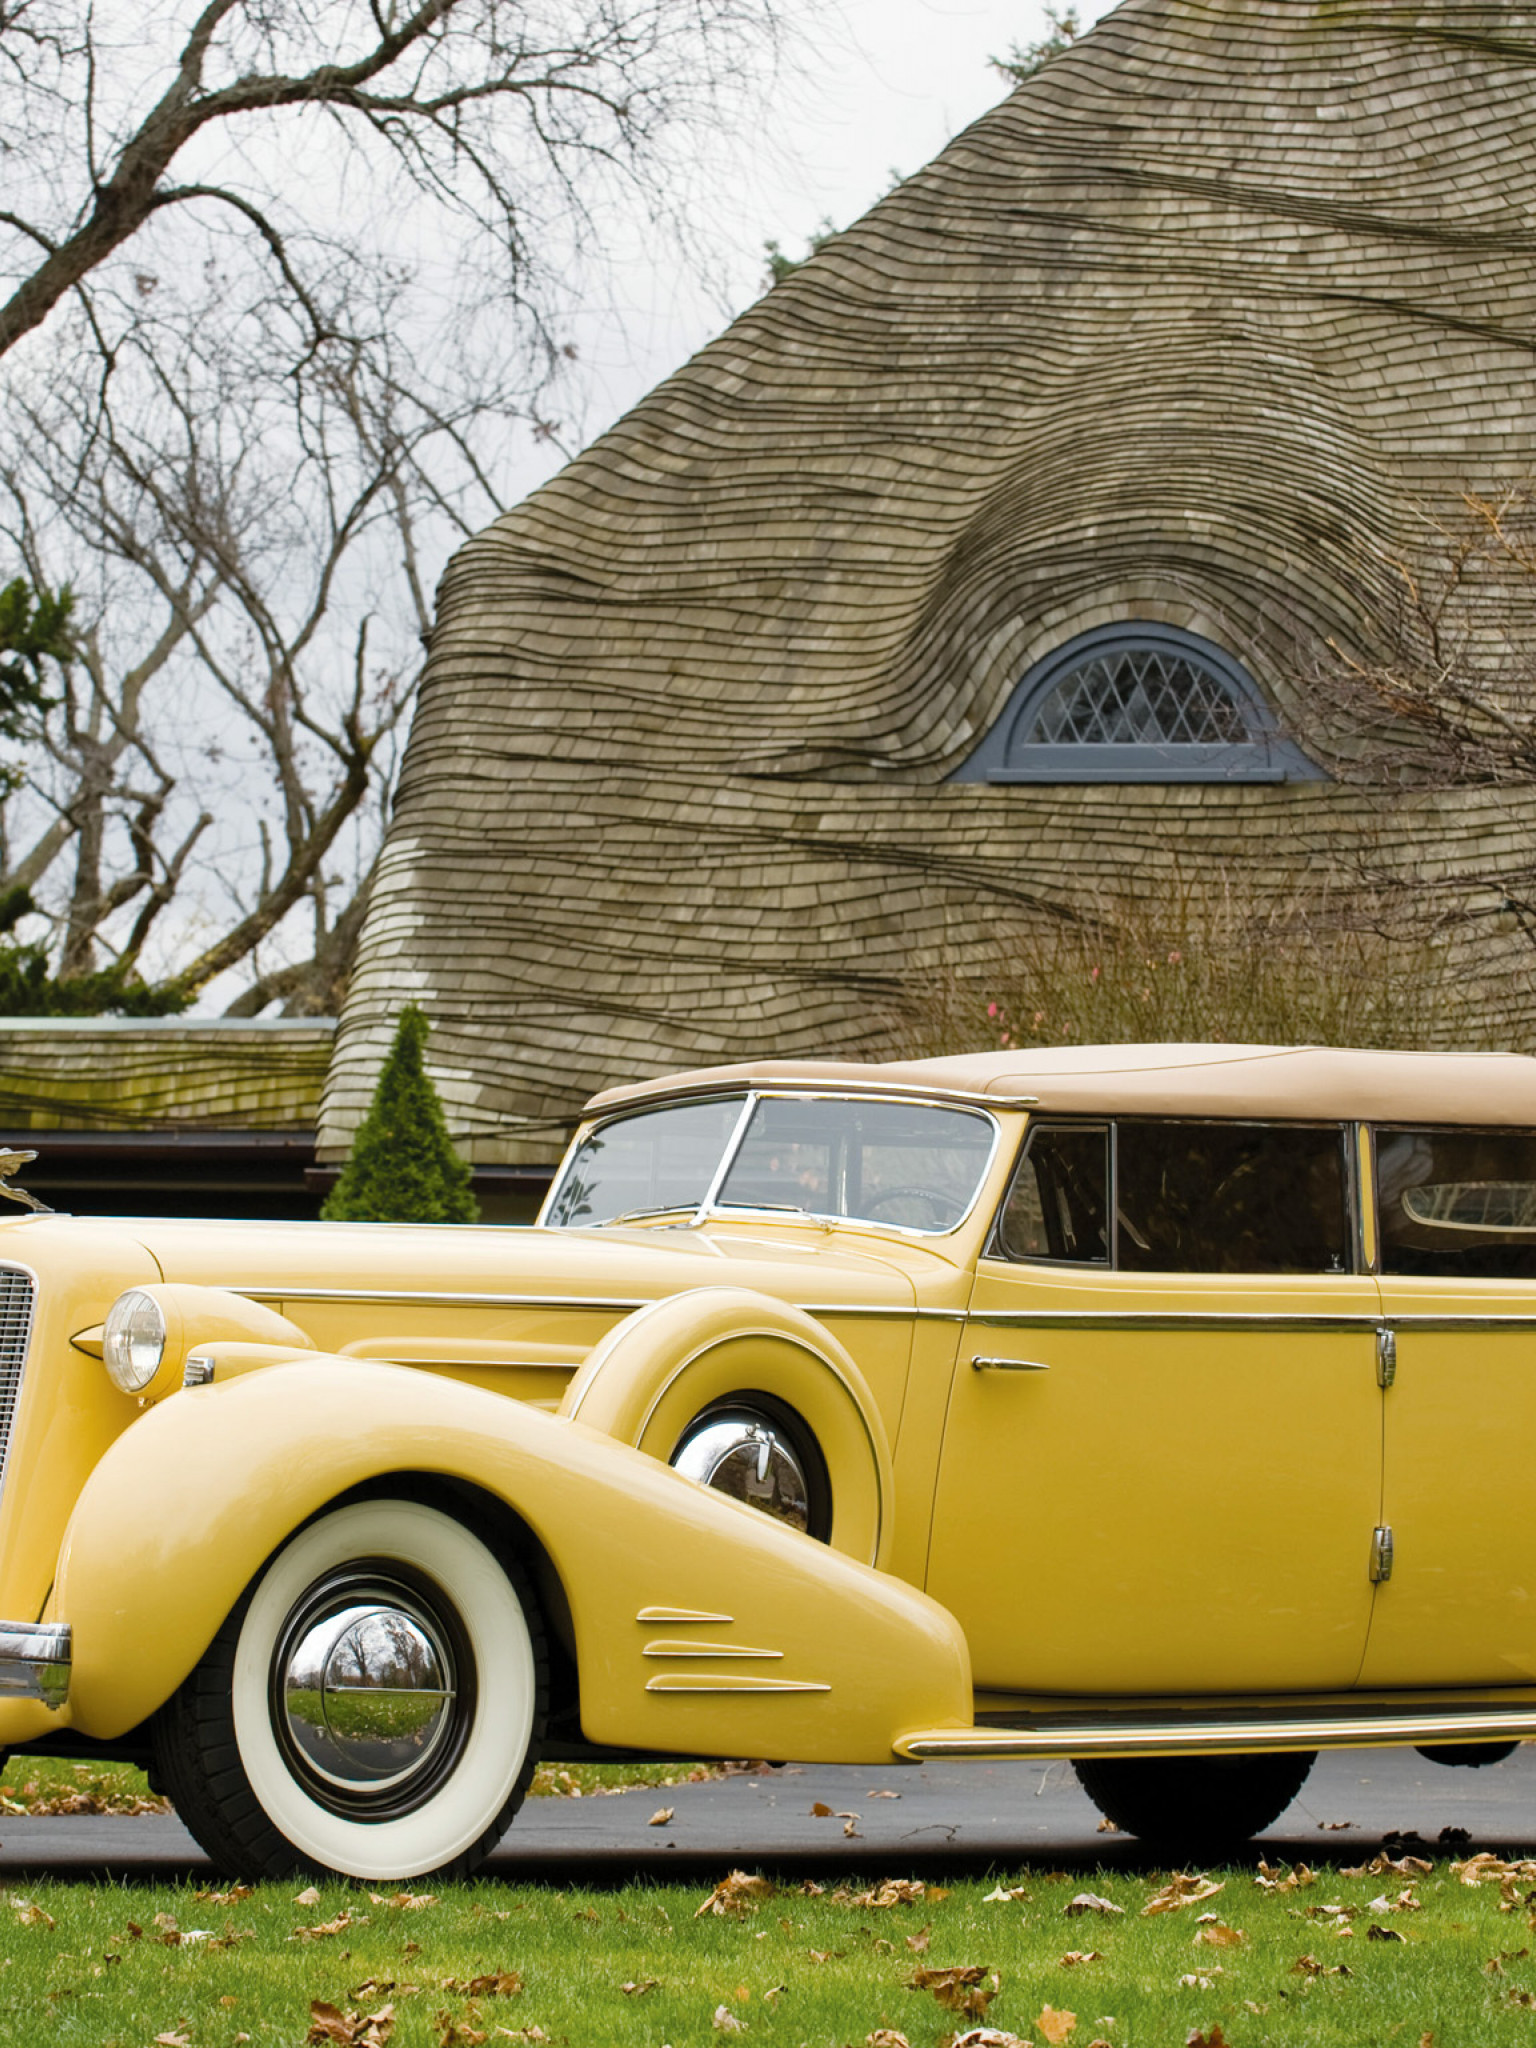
402, 1167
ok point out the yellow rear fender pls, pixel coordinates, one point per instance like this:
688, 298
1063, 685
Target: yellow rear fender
659, 1369
700, 1625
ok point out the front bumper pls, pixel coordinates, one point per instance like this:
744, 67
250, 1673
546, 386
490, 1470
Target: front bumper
34, 1661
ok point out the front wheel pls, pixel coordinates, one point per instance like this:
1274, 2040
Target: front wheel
1194, 1808
369, 1708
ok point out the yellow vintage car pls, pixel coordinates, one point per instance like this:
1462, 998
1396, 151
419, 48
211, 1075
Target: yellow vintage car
1167, 1408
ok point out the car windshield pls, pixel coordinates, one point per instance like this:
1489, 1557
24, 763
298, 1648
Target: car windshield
913, 1165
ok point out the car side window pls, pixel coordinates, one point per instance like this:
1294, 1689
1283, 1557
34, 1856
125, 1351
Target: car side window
1231, 1198
1457, 1203
1058, 1206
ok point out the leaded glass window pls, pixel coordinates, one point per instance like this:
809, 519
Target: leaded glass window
1137, 703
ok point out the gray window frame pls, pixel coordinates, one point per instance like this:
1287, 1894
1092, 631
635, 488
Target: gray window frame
1268, 756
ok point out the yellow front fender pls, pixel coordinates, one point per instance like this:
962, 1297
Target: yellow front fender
701, 1626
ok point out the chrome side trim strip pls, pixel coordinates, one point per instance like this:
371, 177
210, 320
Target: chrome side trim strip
1227, 1735
703, 1681
35, 1661
674, 1614
695, 1649
1174, 1319
275, 1290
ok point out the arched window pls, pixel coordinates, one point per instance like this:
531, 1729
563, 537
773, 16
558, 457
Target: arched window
1137, 703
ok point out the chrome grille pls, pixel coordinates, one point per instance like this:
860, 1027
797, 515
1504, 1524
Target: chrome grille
18, 1290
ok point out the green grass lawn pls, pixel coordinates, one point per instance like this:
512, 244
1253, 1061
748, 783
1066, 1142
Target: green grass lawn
1261, 1959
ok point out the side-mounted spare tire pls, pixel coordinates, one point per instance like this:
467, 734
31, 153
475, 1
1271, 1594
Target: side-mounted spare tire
371, 1706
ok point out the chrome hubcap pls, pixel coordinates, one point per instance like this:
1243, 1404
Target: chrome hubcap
750, 1459
369, 1698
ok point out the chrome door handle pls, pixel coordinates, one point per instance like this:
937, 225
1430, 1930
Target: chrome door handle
1007, 1365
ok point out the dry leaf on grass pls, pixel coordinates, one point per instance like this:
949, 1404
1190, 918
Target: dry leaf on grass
896, 1891
232, 1897
739, 1893
1309, 1966
310, 1897
180, 2039
28, 1915
1272, 1879
1405, 1866
1377, 1933
1075, 1957
1054, 2026
1214, 1933
350, 2029
661, 1817
1214, 2039
404, 1902
327, 1928
1181, 1890
1006, 1895
1201, 1980
726, 2022
986, 2037
918, 1943
967, 1988
1089, 1902
825, 1955
497, 1984
886, 2037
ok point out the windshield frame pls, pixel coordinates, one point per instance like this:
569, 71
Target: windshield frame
710, 1206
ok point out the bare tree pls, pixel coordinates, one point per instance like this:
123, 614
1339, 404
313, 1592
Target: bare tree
280, 296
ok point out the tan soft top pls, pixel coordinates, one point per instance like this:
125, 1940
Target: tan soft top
1302, 1081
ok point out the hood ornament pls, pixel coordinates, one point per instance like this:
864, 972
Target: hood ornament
13, 1162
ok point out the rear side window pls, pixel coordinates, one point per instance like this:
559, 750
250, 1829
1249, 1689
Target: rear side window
1231, 1198
1461, 1204
1166, 1197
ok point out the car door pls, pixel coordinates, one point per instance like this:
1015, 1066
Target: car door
1162, 1459
1456, 1218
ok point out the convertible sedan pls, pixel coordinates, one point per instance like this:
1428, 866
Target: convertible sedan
1158, 1407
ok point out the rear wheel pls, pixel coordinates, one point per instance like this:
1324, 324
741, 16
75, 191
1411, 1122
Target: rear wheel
1194, 1808
758, 1450
370, 1706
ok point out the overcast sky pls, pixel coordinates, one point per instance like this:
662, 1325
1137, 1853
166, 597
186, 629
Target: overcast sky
876, 88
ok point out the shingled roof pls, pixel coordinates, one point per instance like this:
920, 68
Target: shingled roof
1191, 328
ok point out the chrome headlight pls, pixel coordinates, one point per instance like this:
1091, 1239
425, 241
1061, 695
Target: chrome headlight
133, 1342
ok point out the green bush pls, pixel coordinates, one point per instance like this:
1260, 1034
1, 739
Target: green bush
403, 1168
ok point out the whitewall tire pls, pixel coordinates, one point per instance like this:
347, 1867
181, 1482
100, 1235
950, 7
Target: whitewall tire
369, 1708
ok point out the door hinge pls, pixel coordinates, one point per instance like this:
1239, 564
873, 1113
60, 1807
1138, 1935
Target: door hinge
1386, 1357
1381, 1556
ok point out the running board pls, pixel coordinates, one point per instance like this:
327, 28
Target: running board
1194, 1735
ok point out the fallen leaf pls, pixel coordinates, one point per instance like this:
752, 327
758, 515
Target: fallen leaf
1197, 1980
232, 1897
350, 2029
967, 1988
329, 1927
882, 1795
28, 1915
1107, 1827
1334, 1827
1055, 2026
1076, 1956
311, 1897
453, 2033
1089, 1902
404, 1902
1271, 1879
918, 1943
820, 1810
1378, 1933
638, 1987
824, 1955
1180, 1891
988, 2037
1309, 1966
1218, 1935
498, 1984
177, 2040
886, 2037
522, 2033
1000, 1896
1214, 2039
851, 1828
738, 1893
661, 1817
726, 2022
896, 1891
